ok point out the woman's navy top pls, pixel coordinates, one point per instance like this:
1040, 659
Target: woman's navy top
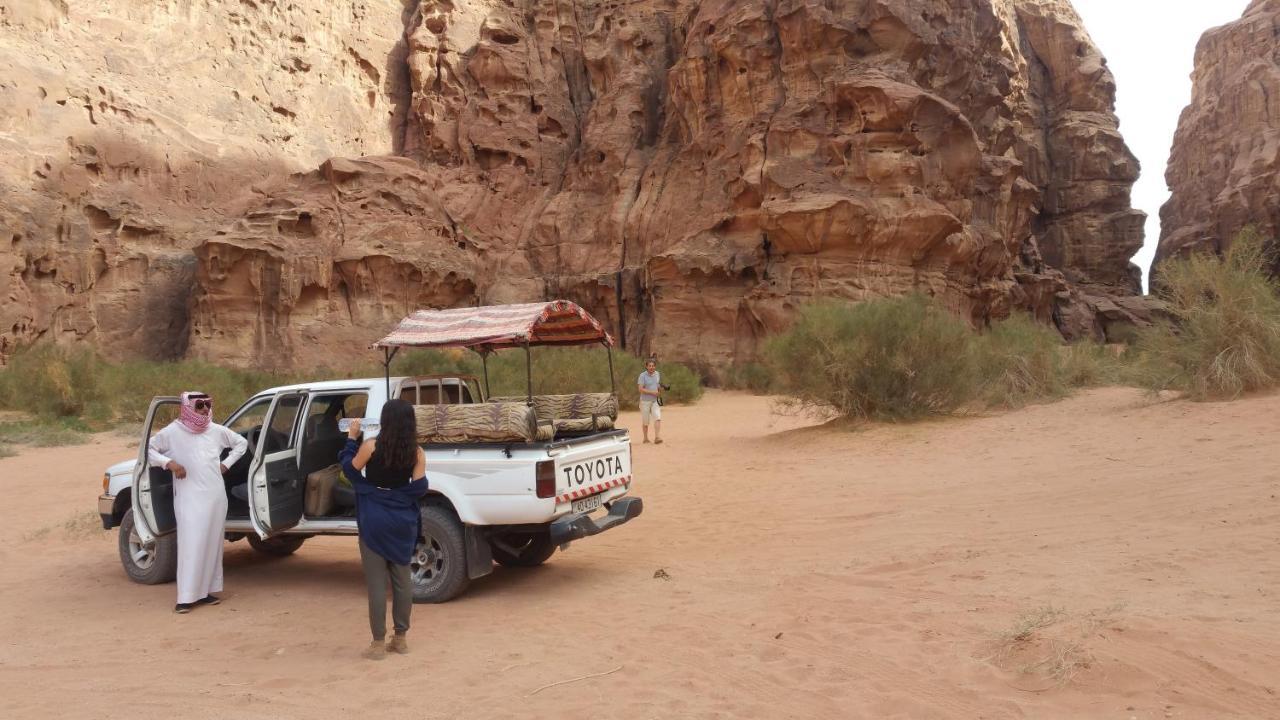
388, 517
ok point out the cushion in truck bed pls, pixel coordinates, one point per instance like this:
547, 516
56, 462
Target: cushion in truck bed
480, 422
581, 425
569, 407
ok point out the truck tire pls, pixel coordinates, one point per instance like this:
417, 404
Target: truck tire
280, 546
522, 549
439, 565
149, 566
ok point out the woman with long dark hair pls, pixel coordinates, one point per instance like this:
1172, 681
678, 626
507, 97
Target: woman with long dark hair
387, 513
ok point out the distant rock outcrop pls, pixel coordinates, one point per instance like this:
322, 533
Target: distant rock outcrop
1224, 172
690, 170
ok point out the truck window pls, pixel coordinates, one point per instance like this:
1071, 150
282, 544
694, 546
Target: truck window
428, 392
321, 439
282, 424
280, 434
250, 417
165, 414
355, 406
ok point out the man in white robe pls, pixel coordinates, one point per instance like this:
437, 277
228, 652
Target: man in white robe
191, 448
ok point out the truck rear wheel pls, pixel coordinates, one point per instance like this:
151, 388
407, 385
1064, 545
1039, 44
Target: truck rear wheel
522, 549
439, 565
280, 546
147, 565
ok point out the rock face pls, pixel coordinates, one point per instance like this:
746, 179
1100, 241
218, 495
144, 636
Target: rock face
1224, 171
130, 128
690, 170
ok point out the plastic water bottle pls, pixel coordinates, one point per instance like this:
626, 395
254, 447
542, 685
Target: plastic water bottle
367, 425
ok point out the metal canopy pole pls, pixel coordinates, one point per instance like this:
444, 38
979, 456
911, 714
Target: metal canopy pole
388, 354
528, 371
484, 362
613, 383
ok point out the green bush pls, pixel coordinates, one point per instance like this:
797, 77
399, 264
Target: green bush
569, 370
58, 384
54, 382
45, 432
891, 359
1088, 364
1018, 361
753, 377
1225, 338
907, 358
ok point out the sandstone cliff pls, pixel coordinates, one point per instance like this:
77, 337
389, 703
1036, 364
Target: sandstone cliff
128, 128
691, 170
1224, 172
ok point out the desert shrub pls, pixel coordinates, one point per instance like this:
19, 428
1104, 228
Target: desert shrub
58, 385
567, 370
685, 383
892, 359
755, 377
1225, 337
132, 384
907, 358
1090, 364
449, 361
1018, 361
45, 432
54, 382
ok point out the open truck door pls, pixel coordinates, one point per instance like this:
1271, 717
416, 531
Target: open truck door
276, 486
153, 487
147, 543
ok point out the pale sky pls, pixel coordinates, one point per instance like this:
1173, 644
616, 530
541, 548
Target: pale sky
1150, 47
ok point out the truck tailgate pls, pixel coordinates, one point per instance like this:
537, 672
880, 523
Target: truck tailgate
593, 466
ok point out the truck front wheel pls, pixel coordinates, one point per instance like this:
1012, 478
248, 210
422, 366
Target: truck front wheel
439, 565
279, 546
147, 565
522, 549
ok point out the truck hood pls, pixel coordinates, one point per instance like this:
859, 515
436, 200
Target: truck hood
123, 468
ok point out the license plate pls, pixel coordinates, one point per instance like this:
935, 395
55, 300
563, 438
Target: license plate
588, 504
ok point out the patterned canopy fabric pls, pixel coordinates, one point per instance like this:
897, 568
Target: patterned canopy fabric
495, 327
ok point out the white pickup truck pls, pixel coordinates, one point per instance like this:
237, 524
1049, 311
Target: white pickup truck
510, 502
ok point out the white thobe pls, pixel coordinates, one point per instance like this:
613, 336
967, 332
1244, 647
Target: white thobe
199, 501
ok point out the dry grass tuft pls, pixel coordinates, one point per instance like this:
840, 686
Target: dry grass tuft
1051, 643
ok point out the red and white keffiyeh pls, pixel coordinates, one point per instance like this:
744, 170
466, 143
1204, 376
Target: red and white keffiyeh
190, 419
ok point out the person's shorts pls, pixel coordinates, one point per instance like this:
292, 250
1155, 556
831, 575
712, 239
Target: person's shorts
650, 411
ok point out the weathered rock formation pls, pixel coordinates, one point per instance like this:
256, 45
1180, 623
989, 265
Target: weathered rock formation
128, 128
690, 170
1224, 171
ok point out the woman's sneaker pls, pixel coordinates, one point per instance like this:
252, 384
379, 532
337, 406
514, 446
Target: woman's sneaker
376, 651
398, 644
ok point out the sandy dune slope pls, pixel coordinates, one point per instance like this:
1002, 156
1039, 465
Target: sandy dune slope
1102, 557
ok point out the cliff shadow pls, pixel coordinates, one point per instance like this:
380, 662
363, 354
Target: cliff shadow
102, 240
400, 80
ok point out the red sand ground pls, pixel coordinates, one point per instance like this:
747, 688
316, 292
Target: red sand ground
1102, 557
